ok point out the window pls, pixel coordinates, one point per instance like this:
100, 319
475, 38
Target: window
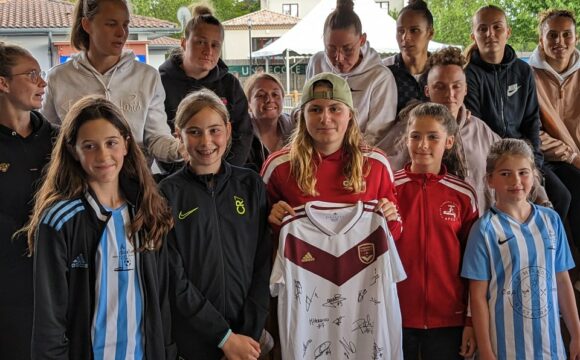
290, 9
261, 42
384, 5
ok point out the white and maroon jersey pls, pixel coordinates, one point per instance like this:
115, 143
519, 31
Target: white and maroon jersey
335, 276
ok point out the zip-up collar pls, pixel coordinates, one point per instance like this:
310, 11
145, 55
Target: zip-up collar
173, 68
538, 61
425, 177
218, 180
509, 57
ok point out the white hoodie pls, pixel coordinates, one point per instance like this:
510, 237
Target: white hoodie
371, 85
133, 86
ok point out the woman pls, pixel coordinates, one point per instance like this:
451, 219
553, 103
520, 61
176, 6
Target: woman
100, 30
272, 128
348, 54
502, 92
327, 161
446, 85
414, 31
198, 65
556, 66
25, 145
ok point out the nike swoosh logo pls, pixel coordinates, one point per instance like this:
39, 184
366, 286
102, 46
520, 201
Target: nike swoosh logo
182, 215
512, 90
501, 242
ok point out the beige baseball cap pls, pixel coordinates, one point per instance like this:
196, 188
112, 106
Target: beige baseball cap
340, 90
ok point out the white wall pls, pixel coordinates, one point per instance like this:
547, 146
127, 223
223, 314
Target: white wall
304, 6
156, 57
237, 43
37, 45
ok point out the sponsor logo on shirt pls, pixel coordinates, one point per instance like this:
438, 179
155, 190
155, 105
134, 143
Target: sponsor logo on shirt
512, 89
528, 294
503, 241
4, 167
131, 104
449, 211
239, 203
307, 257
182, 215
79, 262
125, 259
366, 253
551, 239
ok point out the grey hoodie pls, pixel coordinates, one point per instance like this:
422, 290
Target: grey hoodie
133, 86
371, 84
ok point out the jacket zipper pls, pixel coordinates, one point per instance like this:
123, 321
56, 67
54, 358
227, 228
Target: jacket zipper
212, 193
500, 101
424, 237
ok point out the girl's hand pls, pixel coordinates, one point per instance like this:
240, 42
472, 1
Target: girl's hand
468, 343
241, 347
388, 209
279, 210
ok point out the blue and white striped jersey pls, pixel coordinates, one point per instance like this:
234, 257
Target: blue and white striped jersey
117, 328
520, 261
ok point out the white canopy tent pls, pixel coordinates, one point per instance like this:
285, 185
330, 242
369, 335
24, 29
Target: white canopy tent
305, 38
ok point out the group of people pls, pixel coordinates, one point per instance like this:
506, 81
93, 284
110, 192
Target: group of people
402, 211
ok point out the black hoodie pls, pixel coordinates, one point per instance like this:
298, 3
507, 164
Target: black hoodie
21, 162
177, 85
504, 97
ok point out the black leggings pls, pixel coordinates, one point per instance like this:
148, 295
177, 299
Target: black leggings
432, 344
563, 185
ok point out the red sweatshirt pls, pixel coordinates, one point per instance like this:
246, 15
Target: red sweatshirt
281, 185
437, 211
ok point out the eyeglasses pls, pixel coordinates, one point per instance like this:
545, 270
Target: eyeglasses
34, 75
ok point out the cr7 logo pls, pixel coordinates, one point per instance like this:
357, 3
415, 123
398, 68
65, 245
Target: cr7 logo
240, 206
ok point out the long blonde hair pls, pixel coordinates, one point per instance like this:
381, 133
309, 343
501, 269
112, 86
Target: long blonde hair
304, 157
65, 178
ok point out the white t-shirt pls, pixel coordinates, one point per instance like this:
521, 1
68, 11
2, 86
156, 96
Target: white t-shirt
335, 276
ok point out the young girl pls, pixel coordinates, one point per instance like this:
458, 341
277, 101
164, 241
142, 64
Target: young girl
219, 250
100, 31
197, 65
96, 235
26, 139
328, 161
438, 209
517, 260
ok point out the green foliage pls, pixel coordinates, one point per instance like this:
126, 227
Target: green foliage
453, 19
167, 9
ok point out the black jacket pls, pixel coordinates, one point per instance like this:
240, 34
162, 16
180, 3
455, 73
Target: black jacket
21, 164
64, 290
220, 257
504, 97
408, 88
177, 85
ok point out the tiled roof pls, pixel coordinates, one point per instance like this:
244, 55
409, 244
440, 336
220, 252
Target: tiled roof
54, 14
165, 41
261, 18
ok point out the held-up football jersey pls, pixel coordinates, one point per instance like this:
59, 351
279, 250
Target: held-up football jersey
335, 276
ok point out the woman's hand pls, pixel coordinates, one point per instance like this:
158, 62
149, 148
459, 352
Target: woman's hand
279, 211
241, 347
388, 209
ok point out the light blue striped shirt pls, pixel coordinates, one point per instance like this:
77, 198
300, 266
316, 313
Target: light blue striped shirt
520, 261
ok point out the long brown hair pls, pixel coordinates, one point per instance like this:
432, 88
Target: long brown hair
65, 178
302, 154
